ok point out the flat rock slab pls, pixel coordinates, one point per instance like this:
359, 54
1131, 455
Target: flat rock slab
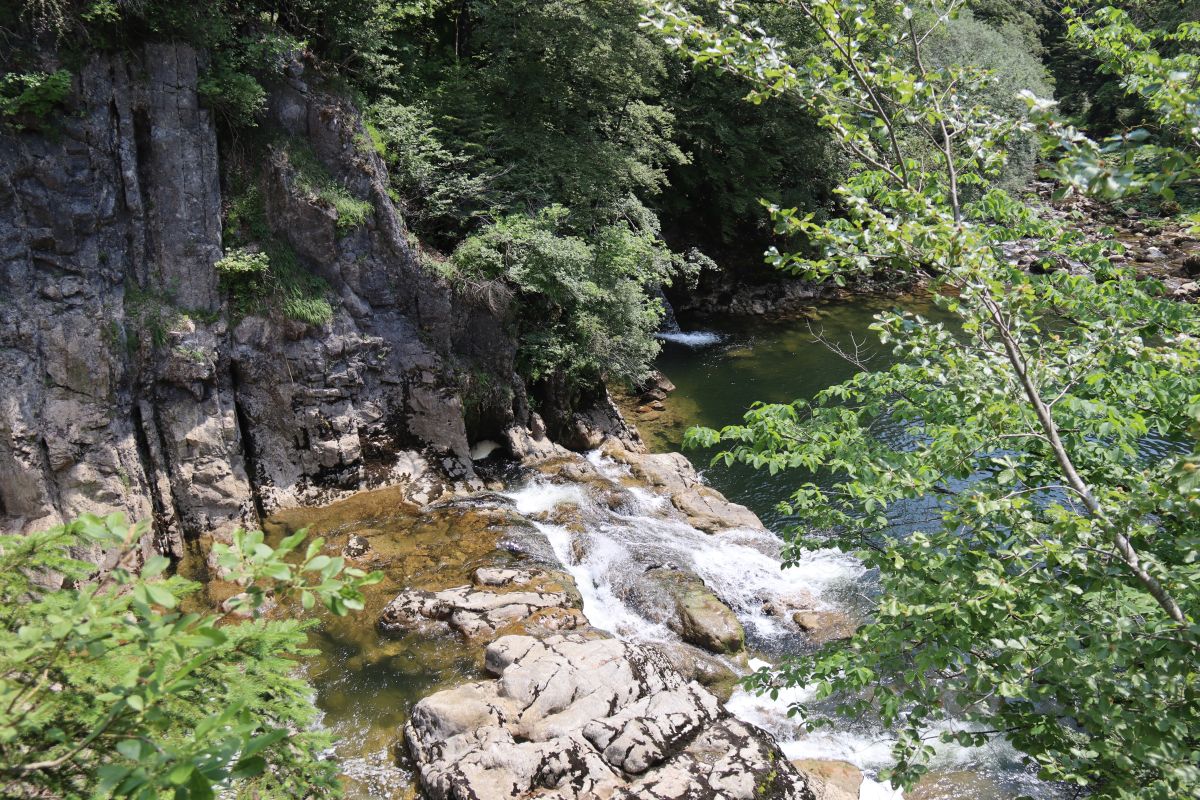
576, 717
497, 599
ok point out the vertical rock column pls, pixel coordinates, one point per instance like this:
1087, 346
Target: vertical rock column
109, 225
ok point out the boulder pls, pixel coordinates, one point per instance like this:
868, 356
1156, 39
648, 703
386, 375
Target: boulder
572, 717
499, 599
710, 671
708, 510
698, 615
673, 475
825, 626
831, 780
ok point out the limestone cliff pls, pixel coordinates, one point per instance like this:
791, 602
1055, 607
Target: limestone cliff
126, 383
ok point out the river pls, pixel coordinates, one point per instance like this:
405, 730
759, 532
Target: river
720, 366
366, 683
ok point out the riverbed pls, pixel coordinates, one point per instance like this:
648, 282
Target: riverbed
366, 683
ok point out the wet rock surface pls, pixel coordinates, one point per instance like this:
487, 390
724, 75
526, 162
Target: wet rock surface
831, 780
823, 625
573, 717
498, 598
673, 475
695, 613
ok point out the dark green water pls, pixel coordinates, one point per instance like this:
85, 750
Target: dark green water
768, 361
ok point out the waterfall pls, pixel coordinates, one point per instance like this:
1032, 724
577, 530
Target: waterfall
617, 545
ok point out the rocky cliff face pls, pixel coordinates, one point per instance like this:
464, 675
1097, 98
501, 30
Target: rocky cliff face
125, 382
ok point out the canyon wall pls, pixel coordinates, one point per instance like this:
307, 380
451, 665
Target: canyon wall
126, 382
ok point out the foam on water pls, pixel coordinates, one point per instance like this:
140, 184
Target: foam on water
604, 610
539, 497
691, 338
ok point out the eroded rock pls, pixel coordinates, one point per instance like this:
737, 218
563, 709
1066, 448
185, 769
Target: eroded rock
498, 598
572, 717
673, 475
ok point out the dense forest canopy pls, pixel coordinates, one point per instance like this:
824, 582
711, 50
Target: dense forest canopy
576, 158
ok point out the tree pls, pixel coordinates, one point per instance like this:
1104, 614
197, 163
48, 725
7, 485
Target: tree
583, 306
1052, 598
108, 689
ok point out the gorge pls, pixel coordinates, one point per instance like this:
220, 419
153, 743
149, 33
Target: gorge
395, 402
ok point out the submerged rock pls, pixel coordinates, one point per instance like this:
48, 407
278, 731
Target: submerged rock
825, 626
572, 717
831, 780
499, 598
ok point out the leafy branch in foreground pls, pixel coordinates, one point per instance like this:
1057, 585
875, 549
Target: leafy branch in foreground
1054, 421
108, 689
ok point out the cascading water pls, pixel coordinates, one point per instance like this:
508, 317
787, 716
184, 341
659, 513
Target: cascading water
609, 545
609, 554
670, 331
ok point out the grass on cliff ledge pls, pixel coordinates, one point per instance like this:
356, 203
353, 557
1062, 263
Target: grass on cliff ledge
270, 278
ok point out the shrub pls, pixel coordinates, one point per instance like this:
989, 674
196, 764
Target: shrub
27, 98
110, 690
237, 97
435, 186
582, 308
240, 263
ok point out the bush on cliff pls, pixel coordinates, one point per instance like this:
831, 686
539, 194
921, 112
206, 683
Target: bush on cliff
582, 300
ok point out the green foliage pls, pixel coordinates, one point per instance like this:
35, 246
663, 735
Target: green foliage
437, 191
28, 98
1091, 95
315, 180
1158, 67
300, 294
261, 272
582, 309
239, 263
236, 96
152, 315
107, 689
967, 41
246, 215
1052, 598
